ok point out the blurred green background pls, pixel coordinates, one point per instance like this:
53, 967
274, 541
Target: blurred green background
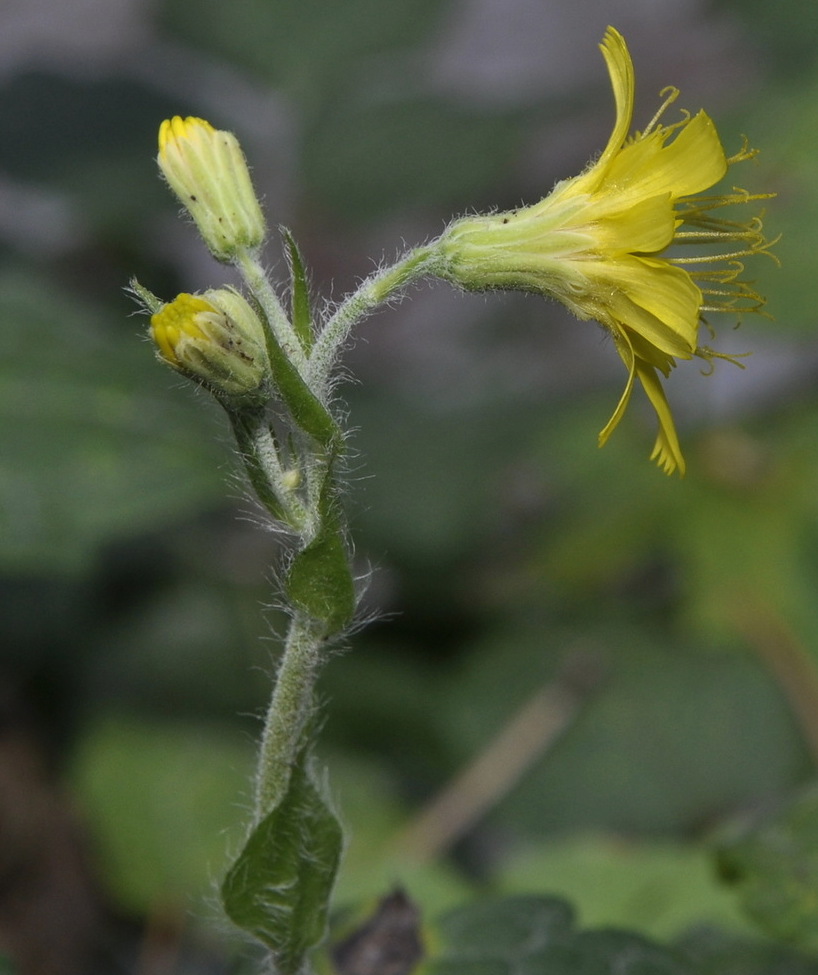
503, 551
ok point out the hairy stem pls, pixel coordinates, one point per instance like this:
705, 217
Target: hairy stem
263, 465
289, 713
258, 282
373, 291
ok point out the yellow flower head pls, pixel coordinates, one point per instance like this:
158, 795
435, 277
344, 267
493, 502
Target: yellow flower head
599, 243
206, 169
215, 339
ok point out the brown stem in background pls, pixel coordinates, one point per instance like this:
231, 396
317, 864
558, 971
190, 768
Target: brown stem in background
160, 947
786, 658
525, 738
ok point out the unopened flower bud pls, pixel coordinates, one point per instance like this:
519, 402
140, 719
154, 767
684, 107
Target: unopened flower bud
206, 169
217, 339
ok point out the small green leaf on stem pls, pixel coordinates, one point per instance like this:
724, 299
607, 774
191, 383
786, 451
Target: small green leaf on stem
245, 423
300, 296
307, 411
279, 887
319, 582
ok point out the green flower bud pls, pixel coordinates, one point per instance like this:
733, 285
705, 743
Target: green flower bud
206, 169
216, 339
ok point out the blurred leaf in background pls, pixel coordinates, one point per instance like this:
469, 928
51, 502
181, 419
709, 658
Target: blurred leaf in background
94, 445
774, 866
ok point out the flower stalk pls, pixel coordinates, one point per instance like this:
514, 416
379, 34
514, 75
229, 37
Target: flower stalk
374, 291
265, 294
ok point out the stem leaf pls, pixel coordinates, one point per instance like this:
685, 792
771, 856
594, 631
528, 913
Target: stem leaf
243, 424
306, 410
319, 581
278, 889
300, 298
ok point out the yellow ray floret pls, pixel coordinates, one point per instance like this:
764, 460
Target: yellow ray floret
606, 243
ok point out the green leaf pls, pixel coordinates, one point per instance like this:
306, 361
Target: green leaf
307, 412
156, 841
300, 300
624, 765
537, 936
245, 424
97, 443
278, 889
493, 932
319, 581
774, 867
659, 887
716, 952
